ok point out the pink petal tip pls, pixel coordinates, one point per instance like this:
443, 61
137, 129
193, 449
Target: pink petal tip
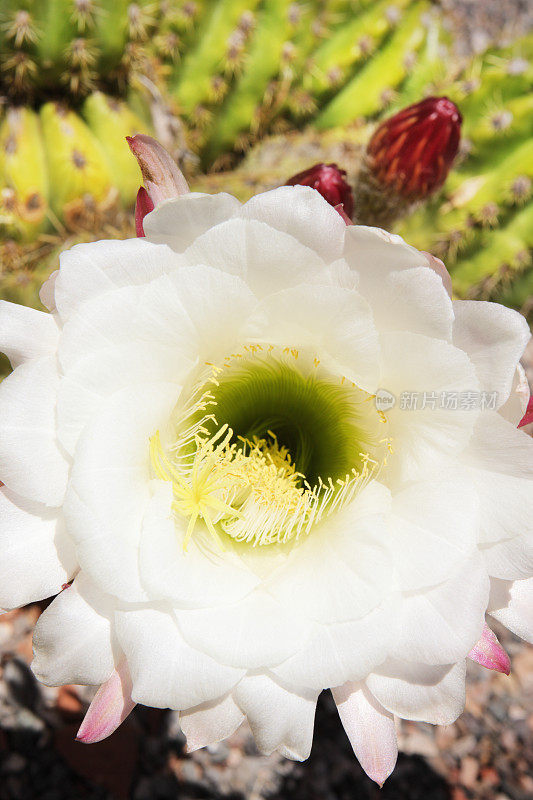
143, 206
490, 654
527, 419
340, 210
438, 266
110, 706
370, 729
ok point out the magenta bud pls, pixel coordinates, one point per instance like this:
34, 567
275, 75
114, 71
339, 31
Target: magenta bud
330, 182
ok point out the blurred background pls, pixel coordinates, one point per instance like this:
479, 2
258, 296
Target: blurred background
245, 94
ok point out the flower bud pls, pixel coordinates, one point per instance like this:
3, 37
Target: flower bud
330, 182
161, 176
412, 152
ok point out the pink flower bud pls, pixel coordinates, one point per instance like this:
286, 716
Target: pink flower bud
413, 151
161, 176
330, 181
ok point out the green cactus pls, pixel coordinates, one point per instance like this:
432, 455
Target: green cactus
57, 169
111, 120
71, 44
336, 58
203, 75
228, 74
23, 175
371, 90
498, 254
81, 178
242, 110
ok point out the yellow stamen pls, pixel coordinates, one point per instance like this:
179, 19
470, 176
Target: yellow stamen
247, 489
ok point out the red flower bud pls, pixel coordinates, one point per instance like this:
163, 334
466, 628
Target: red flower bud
330, 182
413, 151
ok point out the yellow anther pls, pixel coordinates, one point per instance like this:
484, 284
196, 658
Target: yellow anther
247, 489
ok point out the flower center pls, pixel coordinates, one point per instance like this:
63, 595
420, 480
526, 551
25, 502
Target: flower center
268, 444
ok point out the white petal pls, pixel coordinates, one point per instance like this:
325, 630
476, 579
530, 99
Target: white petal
31, 462
109, 488
333, 323
515, 406
73, 641
433, 530
441, 625
512, 605
495, 338
217, 305
501, 460
140, 335
375, 253
47, 291
254, 632
192, 579
181, 220
37, 556
396, 279
342, 651
127, 315
302, 212
279, 719
419, 692
413, 300
210, 722
166, 671
415, 366
91, 270
100, 374
25, 333
198, 312
268, 260
511, 559
370, 729
341, 571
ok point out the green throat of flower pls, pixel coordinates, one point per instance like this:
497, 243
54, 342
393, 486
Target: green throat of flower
266, 445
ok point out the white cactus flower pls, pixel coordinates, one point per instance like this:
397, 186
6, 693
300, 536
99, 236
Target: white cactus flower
273, 457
